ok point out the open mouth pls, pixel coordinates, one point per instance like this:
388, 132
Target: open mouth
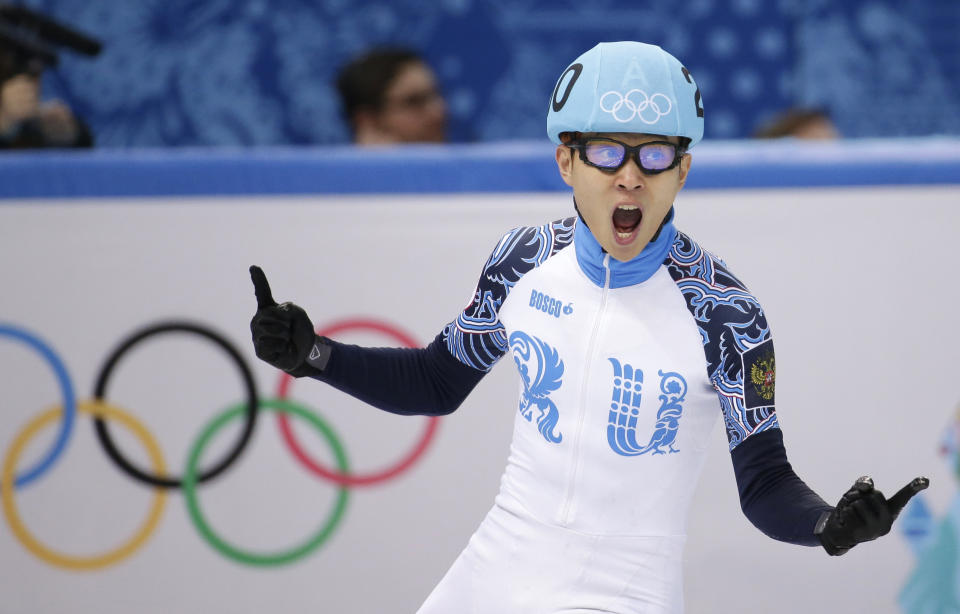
626, 220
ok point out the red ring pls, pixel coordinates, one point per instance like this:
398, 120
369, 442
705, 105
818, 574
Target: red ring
346, 478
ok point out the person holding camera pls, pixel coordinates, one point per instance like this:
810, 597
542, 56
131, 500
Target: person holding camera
28, 46
28, 123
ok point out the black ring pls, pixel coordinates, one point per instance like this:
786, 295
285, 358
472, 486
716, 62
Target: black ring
100, 390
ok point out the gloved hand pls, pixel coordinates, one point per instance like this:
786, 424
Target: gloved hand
283, 334
863, 514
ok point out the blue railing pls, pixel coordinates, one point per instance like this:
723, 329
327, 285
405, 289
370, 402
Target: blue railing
491, 167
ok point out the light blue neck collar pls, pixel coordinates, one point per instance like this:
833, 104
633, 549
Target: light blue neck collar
591, 257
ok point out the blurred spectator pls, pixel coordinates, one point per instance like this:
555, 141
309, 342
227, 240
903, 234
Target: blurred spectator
28, 123
799, 123
390, 95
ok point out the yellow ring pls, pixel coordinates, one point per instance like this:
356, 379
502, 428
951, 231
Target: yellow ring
93, 408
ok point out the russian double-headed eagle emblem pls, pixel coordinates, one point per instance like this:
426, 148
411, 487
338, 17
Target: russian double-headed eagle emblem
763, 374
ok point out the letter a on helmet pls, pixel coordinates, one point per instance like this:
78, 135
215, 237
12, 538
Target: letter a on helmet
626, 87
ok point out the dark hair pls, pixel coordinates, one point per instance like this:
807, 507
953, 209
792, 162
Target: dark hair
363, 81
789, 122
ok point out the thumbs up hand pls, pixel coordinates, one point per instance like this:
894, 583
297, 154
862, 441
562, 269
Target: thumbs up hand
283, 334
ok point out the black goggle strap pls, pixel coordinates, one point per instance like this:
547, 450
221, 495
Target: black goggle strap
666, 220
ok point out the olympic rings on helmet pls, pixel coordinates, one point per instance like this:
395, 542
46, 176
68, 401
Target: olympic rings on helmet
102, 411
636, 102
341, 477
69, 402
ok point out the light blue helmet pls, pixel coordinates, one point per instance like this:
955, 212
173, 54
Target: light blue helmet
626, 87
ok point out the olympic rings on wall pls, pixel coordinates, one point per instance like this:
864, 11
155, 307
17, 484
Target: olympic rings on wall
69, 561
69, 402
342, 477
100, 391
102, 412
190, 482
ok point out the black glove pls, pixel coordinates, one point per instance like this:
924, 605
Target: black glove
283, 334
863, 514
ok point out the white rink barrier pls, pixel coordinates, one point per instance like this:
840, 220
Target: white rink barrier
859, 284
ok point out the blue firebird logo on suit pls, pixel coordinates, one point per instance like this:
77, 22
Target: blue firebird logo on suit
622, 428
542, 371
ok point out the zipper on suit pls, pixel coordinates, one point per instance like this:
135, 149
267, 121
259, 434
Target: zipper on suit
575, 463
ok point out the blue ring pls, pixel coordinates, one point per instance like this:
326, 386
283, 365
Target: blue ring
69, 401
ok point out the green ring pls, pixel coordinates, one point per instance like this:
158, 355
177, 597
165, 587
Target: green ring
254, 558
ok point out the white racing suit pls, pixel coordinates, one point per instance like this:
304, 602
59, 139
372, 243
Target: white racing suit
624, 370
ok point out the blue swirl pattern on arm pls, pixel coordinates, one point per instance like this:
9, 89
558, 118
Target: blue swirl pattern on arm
731, 322
477, 338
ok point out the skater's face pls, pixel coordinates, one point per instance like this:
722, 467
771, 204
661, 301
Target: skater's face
622, 203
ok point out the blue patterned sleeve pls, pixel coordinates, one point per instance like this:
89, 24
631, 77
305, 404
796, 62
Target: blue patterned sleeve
476, 337
737, 343
738, 348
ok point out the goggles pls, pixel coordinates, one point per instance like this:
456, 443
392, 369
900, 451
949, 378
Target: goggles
610, 154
